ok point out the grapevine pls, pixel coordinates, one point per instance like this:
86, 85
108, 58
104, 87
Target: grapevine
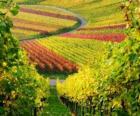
113, 89
22, 89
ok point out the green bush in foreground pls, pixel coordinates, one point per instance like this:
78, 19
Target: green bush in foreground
22, 89
113, 90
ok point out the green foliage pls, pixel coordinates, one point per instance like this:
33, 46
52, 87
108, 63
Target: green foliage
132, 14
29, 1
55, 107
9, 48
115, 87
21, 88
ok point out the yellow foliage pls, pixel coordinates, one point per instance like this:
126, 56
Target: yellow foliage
78, 87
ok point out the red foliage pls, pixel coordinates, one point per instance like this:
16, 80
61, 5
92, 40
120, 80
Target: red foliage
47, 59
118, 26
104, 37
45, 13
32, 29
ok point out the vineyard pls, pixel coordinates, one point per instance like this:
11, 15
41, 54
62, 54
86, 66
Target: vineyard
70, 58
46, 59
64, 45
76, 50
35, 22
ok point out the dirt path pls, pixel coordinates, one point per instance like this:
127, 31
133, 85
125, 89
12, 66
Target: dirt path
53, 82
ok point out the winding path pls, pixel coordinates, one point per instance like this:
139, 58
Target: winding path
53, 82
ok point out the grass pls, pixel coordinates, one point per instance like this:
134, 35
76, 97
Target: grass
55, 107
54, 75
28, 1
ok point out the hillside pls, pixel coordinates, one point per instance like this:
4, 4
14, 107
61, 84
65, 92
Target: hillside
84, 44
100, 23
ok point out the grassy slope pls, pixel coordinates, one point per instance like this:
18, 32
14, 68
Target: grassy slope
55, 108
93, 10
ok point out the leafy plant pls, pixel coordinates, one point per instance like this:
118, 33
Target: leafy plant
115, 86
22, 90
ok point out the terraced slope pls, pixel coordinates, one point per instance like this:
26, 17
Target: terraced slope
36, 21
79, 46
99, 12
96, 12
80, 51
61, 3
46, 59
102, 16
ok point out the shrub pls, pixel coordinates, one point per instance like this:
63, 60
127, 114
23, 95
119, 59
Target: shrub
115, 87
22, 89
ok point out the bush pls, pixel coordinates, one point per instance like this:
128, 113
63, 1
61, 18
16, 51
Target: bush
114, 89
22, 90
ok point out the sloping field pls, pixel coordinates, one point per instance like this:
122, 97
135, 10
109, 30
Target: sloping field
46, 59
64, 3
79, 46
99, 15
108, 80
33, 21
80, 51
96, 12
